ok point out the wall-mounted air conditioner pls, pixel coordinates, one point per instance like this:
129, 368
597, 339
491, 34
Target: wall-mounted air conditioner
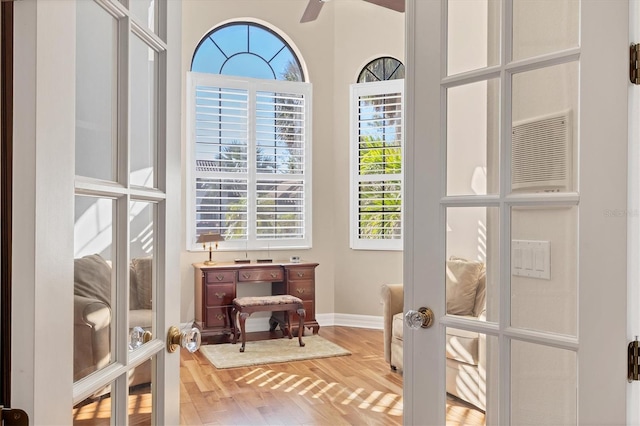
541, 154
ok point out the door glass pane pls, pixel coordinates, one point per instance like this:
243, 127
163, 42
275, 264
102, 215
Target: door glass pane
472, 255
543, 26
96, 91
543, 385
472, 138
143, 113
142, 277
94, 285
544, 133
95, 410
473, 35
140, 393
144, 12
471, 364
544, 265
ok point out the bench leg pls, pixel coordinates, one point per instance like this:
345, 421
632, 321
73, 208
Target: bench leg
287, 328
243, 319
234, 338
301, 314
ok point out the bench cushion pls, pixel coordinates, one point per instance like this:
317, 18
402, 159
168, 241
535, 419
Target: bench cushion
284, 299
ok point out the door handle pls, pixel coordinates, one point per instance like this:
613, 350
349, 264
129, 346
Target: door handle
138, 337
190, 340
422, 318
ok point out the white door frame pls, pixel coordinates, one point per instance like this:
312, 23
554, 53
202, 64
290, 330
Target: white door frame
602, 238
44, 131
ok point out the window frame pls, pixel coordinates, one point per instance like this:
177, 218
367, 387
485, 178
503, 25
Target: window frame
251, 243
356, 91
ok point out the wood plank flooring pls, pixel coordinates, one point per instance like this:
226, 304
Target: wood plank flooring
359, 389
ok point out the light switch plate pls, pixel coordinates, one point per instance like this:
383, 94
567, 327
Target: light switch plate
531, 259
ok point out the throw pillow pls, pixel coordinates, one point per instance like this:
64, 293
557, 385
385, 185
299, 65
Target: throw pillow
143, 271
461, 285
92, 278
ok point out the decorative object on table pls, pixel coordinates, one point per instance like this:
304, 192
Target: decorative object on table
271, 351
209, 238
294, 259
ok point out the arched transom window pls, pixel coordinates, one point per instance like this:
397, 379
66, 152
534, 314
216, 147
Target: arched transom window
382, 69
247, 49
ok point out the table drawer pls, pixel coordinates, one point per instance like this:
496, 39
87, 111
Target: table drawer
219, 276
302, 289
300, 274
260, 275
219, 316
220, 294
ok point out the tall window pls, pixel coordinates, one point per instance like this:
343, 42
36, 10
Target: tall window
377, 103
250, 163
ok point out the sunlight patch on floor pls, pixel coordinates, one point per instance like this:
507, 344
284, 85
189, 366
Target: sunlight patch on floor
374, 400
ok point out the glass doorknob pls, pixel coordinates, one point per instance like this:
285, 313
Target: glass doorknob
190, 340
422, 318
138, 337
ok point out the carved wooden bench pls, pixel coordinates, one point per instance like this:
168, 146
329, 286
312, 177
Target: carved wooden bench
245, 306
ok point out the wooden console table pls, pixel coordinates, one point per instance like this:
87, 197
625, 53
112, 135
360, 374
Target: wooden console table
215, 289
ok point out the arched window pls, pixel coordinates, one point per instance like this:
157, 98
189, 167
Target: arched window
377, 105
381, 69
246, 49
250, 136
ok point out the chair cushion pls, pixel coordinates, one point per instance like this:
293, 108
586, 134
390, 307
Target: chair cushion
462, 345
461, 285
92, 278
141, 317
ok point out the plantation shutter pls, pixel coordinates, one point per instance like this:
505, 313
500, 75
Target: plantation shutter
376, 165
280, 150
250, 162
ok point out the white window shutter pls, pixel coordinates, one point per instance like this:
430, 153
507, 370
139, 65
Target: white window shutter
249, 162
377, 165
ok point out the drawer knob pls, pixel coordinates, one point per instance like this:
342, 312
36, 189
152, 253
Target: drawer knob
220, 277
300, 274
274, 274
220, 295
300, 290
246, 275
220, 316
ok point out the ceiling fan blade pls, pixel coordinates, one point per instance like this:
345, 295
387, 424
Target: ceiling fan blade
397, 5
312, 11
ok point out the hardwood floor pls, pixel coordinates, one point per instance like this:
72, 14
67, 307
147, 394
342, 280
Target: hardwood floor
359, 389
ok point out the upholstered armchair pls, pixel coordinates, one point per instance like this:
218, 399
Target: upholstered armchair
465, 352
93, 315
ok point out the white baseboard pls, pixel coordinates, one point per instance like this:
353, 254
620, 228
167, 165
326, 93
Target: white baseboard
350, 320
325, 320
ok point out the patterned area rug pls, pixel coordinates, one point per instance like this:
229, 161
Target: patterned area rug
227, 355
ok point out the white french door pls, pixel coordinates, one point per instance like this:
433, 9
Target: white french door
517, 160
98, 200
